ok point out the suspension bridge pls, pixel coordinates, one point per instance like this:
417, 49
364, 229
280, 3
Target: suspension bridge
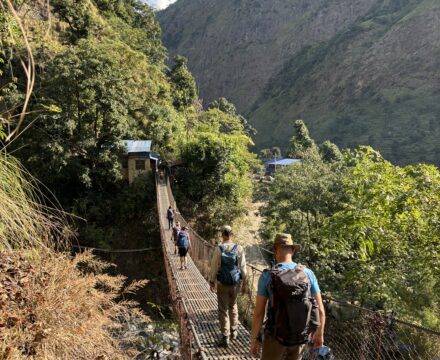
351, 331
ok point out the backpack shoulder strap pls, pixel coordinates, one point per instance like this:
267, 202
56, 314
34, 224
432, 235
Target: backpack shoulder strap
234, 249
222, 249
300, 267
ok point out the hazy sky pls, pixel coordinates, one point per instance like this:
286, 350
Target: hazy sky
160, 4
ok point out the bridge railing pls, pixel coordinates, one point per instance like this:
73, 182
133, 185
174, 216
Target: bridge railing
201, 250
352, 332
190, 345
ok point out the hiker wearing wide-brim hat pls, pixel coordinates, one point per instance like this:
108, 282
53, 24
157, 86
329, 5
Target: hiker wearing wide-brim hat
300, 282
285, 240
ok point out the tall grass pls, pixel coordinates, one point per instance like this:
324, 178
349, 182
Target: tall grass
25, 222
53, 306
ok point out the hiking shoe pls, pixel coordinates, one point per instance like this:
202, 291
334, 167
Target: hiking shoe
224, 342
234, 334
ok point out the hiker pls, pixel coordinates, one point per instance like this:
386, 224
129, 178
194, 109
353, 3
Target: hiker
175, 235
228, 270
183, 244
295, 312
170, 217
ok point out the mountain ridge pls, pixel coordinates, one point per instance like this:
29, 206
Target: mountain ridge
362, 72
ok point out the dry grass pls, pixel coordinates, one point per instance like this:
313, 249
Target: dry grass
53, 306
24, 221
50, 310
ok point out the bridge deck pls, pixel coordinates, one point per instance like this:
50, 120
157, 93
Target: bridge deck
201, 302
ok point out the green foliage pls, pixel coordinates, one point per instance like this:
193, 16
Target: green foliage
106, 212
389, 229
217, 155
368, 228
183, 84
224, 105
106, 92
141, 32
267, 154
76, 13
330, 151
301, 144
227, 107
94, 92
301, 198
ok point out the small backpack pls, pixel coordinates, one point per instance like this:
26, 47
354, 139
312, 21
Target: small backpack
182, 240
229, 274
294, 312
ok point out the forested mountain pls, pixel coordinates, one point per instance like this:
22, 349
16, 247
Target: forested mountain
357, 72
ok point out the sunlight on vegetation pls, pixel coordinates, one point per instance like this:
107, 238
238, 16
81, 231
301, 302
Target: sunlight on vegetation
24, 222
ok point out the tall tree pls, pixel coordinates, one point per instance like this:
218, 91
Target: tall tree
229, 108
183, 84
330, 151
302, 145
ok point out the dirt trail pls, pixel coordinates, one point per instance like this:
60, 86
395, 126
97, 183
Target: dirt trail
247, 233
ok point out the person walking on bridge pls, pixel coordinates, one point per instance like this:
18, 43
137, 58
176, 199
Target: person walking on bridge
175, 235
170, 217
228, 270
183, 243
295, 312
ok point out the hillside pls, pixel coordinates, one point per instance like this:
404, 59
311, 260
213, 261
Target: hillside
358, 72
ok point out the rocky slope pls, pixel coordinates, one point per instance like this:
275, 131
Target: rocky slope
358, 72
235, 47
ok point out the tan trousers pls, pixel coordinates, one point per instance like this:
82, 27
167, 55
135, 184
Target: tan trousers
273, 350
227, 307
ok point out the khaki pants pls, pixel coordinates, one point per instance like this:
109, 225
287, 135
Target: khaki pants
227, 307
273, 350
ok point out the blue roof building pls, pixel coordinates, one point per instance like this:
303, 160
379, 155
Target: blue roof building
137, 160
137, 146
271, 166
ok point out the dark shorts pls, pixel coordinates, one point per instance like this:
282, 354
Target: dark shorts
183, 251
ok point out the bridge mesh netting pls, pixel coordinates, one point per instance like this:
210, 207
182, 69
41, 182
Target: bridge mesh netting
352, 332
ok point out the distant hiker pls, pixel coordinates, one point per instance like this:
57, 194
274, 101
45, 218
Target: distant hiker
295, 312
170, 217
175, 235
228, 269
183, 244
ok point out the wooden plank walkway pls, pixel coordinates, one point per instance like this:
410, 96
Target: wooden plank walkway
200, 300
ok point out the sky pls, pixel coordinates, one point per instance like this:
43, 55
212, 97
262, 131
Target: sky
160, 4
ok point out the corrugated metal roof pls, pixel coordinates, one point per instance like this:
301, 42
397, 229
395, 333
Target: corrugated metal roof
283, 162
137, 146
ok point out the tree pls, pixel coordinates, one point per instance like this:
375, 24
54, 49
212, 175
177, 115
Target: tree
300, 199
271, 153
227, 107
302, 145
388, 230
215, 181
106, 92
183, 84
76, 14
223, 105
330, 151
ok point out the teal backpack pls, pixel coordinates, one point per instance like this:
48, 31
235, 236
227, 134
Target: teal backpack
182, 240
229, 274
